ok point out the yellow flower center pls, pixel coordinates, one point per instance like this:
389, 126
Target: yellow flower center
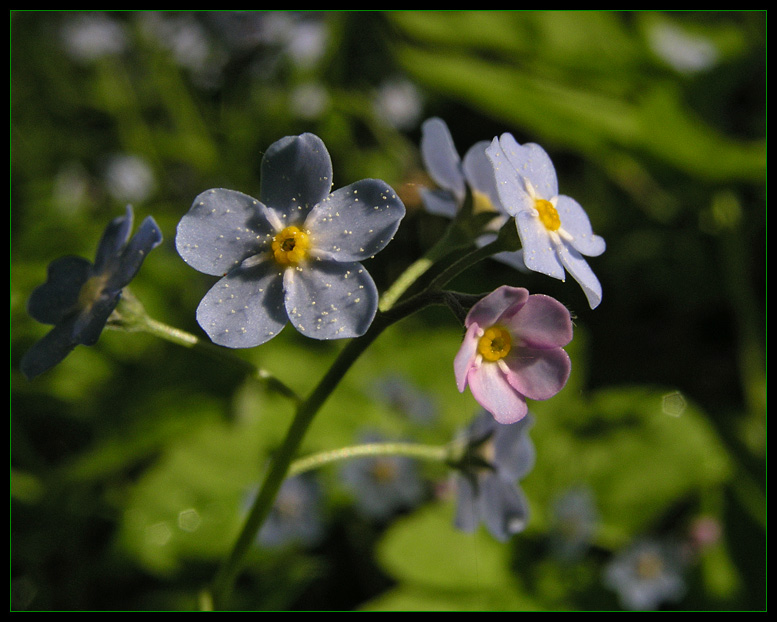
494, 344
290, 246
548, 214
481, 202
649, 566
90, 291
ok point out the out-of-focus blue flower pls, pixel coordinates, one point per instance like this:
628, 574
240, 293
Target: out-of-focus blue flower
383, 484
646, 574
574, 521
487, 488
402, 395
295, 516
554, 229
294, 254
78, 296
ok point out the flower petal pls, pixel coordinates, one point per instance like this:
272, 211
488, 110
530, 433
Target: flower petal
221, 229
296, 174
531, 162
146, 238
492, 391
355, 222
440, 157
543, 322
537, 374
50, 302
245, 308
580, 270
575, 222
330, 300
539, 251
504, 508
498, 306
510, 186
47, 352
514, 453
479, 173
439, 202
113, 240
465, 357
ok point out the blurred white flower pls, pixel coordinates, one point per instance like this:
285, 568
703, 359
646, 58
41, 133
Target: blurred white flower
129, 178
685, 52
89, 36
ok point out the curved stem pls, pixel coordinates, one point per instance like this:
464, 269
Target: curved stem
436, 453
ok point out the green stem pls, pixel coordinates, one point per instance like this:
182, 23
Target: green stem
306, 411
436, 453
131, 316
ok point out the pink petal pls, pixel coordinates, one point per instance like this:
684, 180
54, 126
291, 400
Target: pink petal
499, 305
465, 357
537, 374
543, 322
492, 391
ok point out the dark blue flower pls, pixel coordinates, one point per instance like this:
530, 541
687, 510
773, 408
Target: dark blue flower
79, 297
498, 456
294, 254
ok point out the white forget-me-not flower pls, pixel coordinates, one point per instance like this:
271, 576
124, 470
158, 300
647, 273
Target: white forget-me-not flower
554, 229
293, 254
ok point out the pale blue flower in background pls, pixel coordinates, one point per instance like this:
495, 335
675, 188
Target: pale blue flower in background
295, 517
646, 574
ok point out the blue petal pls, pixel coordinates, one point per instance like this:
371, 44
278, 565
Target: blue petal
539, 251
504, 507
355, 222
580, 270
439, 202
112, 242
509, 185
575, 221
531, 162
514, 451
50, 302
221, 229
330, 300
147, 238
467, 509
440, 157
296, 174
479, 173
245, 308
47, 352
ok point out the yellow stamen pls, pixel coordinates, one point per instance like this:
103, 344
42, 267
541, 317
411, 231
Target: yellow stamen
290, 246
90, 291
494, 344
548, 214
481, 202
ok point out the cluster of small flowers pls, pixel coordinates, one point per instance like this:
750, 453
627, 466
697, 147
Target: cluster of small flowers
294, 255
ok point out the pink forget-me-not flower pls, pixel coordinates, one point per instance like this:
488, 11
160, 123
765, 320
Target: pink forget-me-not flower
293, 254
78, 297
554, 229
513, 350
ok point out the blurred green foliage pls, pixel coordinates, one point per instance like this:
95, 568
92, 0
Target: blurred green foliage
131, 460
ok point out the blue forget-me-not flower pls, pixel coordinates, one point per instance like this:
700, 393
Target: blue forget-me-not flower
383, 484
293, 254
78, 297
646, 574
487, 488
554, 229
453, 175
295, 516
